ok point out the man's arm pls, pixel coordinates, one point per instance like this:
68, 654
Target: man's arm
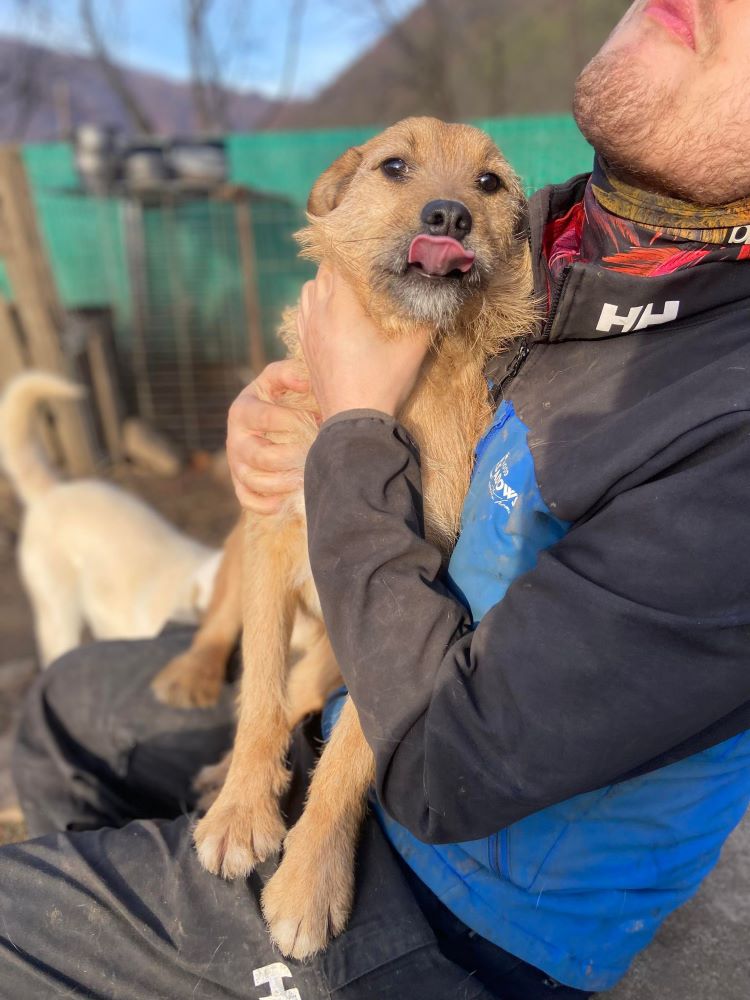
631, 635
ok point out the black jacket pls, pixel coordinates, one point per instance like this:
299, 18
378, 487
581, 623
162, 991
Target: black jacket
628, 645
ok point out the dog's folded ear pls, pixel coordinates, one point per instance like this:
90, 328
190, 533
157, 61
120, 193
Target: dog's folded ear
331, 186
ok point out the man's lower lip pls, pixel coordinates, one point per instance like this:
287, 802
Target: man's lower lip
671, 18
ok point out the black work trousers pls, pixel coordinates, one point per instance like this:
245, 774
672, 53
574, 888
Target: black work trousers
109, 900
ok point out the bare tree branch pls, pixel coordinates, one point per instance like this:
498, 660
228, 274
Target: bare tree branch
237, 42
292, 49
290, 64
112, 71
209, 94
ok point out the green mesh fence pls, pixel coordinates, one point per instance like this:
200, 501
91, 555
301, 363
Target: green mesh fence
171, 273
86, 241
544, 150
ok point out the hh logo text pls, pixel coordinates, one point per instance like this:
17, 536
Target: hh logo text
637, 318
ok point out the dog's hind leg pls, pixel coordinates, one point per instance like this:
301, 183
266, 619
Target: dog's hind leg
244, 825
311, 679
309, 899
195, 677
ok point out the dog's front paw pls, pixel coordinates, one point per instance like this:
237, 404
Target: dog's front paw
235, 835
190, 680
309, 899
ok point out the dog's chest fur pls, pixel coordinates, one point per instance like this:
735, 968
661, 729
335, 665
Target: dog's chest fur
445, 415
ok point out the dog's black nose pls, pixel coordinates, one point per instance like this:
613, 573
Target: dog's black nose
447, 218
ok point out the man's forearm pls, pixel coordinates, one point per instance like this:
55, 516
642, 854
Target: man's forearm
564, 686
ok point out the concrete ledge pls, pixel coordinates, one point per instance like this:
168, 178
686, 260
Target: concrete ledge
703, 951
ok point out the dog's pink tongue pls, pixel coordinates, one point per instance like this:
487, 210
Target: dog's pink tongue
440, 254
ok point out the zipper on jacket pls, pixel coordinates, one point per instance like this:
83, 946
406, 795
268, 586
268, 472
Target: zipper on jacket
557, 294
512, 370
524, 350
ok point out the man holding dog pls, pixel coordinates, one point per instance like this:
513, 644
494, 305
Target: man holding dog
561, 724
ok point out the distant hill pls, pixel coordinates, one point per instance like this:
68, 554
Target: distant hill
69, 86
473, 59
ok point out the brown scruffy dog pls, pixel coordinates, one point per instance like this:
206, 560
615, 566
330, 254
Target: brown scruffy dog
425, 222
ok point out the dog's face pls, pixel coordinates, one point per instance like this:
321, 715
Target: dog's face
423, 219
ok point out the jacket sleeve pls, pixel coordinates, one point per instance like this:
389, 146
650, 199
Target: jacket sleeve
628, 637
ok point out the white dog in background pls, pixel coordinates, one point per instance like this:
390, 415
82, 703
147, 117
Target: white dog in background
91, 554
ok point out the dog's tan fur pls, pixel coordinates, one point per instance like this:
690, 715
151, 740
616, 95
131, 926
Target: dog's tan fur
363, 222
195, 677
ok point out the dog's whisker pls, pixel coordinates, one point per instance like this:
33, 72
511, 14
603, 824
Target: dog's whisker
362, 239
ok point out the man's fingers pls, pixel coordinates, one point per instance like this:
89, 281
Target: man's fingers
263, 494
268, 483
281, 376
250, 415
257, 503
306, 299
265, 456
324, 281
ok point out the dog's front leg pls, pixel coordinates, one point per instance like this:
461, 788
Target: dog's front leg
308, 900
312, 678
244, 825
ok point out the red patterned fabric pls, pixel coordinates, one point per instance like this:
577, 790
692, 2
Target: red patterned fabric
635, 232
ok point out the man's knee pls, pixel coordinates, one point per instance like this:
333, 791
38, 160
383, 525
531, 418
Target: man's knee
97, 689
94, 742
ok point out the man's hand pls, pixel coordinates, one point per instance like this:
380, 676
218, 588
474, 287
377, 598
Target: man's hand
351, 365
265, 473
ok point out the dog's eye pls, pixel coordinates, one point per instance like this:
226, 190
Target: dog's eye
395, 168
489, 183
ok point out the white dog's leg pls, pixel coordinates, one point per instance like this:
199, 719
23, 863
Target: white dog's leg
57, 630
51, 587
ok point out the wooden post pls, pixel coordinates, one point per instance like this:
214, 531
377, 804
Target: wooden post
185, 367
104, 378
12, 361
135, 248
250, 280
38, 305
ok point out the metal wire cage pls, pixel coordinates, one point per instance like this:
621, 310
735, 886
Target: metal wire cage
195, 278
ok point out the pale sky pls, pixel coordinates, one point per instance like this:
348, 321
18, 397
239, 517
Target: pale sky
252, 34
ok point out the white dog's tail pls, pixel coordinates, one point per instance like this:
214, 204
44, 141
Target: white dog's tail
21, 454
